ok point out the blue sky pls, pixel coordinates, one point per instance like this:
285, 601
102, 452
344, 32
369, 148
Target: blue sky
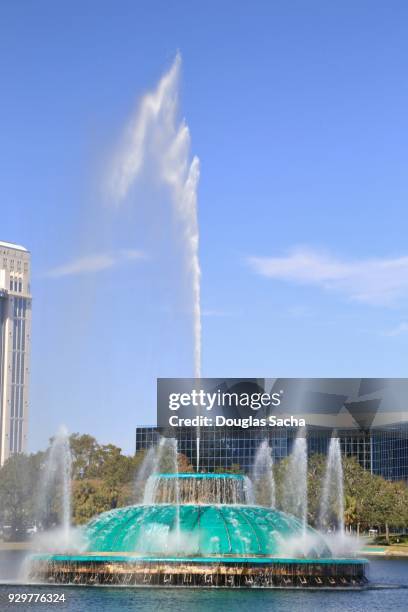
297, 111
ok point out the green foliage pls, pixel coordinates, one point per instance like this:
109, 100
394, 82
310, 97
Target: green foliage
90, 497
392, 539
369, 500
91, 460
102, 475
234, 468
18, 483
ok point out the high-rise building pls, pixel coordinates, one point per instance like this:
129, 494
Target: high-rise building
15, 340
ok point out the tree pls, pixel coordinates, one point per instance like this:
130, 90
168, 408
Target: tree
18, 493
87, 458
350, 510
91, 497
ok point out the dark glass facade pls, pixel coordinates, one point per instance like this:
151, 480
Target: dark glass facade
383, 452
220, 447
390, 453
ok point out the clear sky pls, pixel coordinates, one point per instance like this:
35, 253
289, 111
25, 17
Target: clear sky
298, 113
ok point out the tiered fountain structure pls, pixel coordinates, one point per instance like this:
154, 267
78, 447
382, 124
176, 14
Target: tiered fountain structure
200, 530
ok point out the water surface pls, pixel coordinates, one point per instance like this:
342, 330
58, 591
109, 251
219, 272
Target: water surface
86, 599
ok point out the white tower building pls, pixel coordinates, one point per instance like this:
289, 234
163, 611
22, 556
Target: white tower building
15, 340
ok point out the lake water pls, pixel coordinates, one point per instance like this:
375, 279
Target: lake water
79, 599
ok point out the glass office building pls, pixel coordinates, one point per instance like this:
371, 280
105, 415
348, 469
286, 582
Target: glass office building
389, 452
383, 452
220, 447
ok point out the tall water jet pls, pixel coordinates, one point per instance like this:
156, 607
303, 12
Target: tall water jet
295, 494
146, 468
174, 455
152, 467
167, 461
262, 476
156, 136
57, 481
163, 458
331, 517
198, 449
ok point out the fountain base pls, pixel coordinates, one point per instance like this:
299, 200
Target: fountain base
122, 570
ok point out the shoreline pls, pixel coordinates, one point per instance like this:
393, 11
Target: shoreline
10, 546
385, 552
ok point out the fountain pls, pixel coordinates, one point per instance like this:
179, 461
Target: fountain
57, 482
262, 476
147, 467
331, 516
157, 139
295, 495
202, 530
161, 458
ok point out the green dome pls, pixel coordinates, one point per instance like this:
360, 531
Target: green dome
202, 530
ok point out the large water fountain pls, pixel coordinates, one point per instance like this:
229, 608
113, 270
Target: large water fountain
197, 529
